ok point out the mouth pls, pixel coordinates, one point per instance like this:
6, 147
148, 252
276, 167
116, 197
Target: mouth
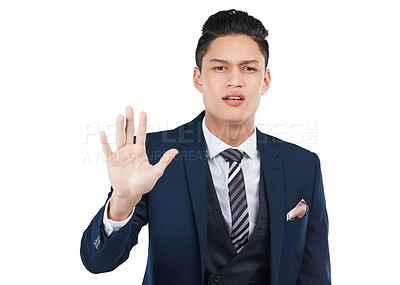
234, 99
234, 96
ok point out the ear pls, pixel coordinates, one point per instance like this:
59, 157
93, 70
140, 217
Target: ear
267, 82
197, 79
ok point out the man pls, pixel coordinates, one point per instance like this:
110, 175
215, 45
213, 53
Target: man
234, 205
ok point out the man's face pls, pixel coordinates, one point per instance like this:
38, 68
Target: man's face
232, 79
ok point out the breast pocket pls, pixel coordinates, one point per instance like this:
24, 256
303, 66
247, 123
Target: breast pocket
295, 235
293, 246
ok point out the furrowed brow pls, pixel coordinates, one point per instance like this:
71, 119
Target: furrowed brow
249, 61
219, 60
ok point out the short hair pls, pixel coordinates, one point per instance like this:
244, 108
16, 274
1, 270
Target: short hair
231, 22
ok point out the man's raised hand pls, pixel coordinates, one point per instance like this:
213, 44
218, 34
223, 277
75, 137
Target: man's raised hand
131, 175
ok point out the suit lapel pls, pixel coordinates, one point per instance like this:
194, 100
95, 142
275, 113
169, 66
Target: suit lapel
272, 169
194, 158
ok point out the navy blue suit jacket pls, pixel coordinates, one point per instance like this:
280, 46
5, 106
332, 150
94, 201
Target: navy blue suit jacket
176, 213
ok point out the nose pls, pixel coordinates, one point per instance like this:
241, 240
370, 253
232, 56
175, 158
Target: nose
234, 78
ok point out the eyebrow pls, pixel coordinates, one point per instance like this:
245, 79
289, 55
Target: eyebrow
227, 61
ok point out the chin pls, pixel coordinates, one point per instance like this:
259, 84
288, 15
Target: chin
234, 118
233, 115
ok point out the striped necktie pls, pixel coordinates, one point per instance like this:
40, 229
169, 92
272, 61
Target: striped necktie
237, 198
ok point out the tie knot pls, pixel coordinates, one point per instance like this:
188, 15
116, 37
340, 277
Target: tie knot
231, 154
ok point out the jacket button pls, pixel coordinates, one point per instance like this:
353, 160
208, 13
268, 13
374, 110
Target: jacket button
217, 278
253, 280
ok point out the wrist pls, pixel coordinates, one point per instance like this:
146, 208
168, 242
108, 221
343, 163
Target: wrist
120, 209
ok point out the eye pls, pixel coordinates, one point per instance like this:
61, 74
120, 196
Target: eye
248, 68
219, 68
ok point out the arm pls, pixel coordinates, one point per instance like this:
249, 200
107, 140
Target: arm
100, 253
315, 268
132, 177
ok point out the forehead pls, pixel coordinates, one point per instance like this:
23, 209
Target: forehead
234, 48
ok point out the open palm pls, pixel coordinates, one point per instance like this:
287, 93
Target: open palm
131, 175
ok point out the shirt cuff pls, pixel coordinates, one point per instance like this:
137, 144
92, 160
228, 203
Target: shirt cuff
111, 226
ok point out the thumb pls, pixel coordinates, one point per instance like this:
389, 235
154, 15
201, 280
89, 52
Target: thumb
165, 161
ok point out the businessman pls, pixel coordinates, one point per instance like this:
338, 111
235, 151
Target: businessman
224, 202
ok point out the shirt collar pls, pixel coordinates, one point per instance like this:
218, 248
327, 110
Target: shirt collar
215, 145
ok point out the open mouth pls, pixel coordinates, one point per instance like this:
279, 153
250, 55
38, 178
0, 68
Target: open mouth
234, 97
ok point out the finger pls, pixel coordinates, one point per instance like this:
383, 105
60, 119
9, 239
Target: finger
120, 132
106, 147
165, 161
130, 128
141, 135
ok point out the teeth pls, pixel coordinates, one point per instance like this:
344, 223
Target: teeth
234, 98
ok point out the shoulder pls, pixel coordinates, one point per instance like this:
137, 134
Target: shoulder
286, 151
301, 166
187, 133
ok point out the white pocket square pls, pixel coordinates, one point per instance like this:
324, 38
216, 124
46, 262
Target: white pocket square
297, 212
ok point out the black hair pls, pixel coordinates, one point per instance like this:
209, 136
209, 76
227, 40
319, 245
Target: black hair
231, 22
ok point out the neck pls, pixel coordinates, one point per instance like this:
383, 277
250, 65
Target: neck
233, 134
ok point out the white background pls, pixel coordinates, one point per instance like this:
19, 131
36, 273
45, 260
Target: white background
68, 68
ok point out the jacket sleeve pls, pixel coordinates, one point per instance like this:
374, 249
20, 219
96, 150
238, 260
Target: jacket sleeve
315, 268
100, 253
